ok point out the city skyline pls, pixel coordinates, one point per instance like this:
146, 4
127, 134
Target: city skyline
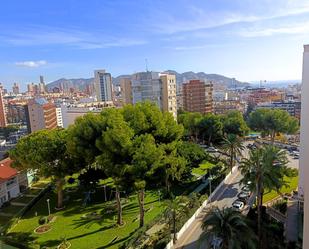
243, 39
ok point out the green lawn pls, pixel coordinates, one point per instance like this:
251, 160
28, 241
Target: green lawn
202, 169
84, 233
292, 181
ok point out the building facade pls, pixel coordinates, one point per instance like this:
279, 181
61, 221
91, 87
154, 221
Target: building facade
103, 85
303, 187
292, 107
40, 115
3, 121
147, 86
157, 88
169, 100
126, 91
223, 107
15, 88
12, 182
197, 96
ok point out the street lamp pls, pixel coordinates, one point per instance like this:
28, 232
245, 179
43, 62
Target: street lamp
48, 207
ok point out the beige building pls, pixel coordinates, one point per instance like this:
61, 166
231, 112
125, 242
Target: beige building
303, 187
40, 114
3, 121
169, 101
126, 91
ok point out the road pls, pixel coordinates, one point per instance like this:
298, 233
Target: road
225, 196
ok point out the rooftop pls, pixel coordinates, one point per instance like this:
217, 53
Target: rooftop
6, 171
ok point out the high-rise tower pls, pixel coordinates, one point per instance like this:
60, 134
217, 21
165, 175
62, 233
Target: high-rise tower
103, 85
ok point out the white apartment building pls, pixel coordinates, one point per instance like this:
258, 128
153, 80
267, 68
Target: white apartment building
157, 88
59, 117
12, 182
303, 187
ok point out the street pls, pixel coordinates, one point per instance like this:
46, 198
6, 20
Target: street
225, 196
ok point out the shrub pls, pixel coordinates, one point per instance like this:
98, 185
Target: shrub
71, 180
42, 220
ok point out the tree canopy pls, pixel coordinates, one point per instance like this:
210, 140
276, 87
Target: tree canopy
272, 121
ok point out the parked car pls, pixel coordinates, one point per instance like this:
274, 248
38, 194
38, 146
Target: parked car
244, 194
238, 205
212, 149
245, 188
296, 156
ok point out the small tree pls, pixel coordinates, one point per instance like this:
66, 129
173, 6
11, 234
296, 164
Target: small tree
272, 121
175, 208
146, 155
234, 123
265, 169
230, 227
232, 146
45, 152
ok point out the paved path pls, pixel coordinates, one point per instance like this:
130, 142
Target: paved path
292, 221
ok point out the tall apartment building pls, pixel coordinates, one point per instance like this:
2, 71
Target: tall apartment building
303, 187
3, 121
40, 114
126, 90
157, 88
15, 88
146, 86
103, 85
197, 96
169, 100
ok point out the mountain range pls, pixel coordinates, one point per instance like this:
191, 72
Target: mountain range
219, 81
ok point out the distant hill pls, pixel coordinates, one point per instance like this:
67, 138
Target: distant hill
218, 80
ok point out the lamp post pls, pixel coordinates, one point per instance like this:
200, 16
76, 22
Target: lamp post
210, 178
48, 207
105, 193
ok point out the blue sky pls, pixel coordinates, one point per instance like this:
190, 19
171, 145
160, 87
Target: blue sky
246, 39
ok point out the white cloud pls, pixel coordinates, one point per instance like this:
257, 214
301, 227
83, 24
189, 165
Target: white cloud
297, 28
42, 36
31, 64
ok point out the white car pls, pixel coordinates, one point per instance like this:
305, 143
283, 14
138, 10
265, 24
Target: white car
238, 205
244, 194
212, 149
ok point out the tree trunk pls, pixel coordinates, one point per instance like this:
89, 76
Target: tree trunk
174, 227
167, 184
209, 140
273, 134
119, 208
59, 186
259, 190
141, 197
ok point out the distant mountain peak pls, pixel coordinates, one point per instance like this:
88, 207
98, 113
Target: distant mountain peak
219, 81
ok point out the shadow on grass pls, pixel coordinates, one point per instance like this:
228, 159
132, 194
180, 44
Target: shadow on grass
114, 242
19, 239
50, 243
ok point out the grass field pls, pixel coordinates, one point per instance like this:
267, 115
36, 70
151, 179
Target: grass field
292, 182
202, 169
87, 233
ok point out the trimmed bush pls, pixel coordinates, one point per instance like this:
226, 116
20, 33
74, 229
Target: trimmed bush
42, 220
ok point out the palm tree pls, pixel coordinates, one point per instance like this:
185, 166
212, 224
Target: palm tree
230, 227
232, 146
175, 209
265, 169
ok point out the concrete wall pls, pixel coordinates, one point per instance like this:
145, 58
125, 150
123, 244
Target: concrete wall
304, 146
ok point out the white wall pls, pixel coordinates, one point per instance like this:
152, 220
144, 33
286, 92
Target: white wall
304, 145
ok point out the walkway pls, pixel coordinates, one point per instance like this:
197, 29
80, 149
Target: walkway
291, 225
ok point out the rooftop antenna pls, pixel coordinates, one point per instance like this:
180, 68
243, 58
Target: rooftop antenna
146, 63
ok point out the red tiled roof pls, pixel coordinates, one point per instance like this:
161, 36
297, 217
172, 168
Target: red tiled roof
6, 171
